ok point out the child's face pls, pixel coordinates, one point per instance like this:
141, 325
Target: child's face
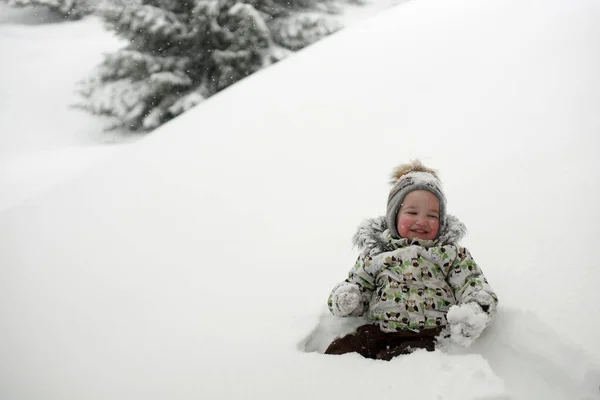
419, 216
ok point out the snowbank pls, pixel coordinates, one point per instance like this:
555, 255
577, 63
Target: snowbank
42, 139
197, 263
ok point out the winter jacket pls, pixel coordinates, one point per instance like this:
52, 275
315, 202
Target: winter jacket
410, 284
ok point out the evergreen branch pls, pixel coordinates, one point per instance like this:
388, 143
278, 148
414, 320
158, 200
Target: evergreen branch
301, 30
136, 65
138, 23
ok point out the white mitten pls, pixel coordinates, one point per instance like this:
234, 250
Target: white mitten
467, 322
346, 300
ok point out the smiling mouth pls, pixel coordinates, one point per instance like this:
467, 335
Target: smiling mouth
419, 231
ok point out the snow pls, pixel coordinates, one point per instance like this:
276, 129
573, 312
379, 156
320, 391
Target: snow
43, 140
72, 139
467, 323
196, 263
424, 178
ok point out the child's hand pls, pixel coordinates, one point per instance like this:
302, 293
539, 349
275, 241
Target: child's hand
467, 322
347, 300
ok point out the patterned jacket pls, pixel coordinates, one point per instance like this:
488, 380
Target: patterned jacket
410, 284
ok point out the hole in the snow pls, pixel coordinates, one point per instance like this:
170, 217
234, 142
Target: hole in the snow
327, 329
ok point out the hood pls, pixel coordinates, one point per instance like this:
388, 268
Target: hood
373, 235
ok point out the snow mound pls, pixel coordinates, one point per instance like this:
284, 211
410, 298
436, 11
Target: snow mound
195, 263
494, 366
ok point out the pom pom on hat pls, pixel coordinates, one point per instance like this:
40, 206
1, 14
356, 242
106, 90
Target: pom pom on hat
413, 166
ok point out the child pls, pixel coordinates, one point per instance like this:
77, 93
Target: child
412, 279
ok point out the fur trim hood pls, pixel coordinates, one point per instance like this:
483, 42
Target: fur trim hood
373, 235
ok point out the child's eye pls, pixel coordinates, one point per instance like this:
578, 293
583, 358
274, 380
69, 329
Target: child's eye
434, 216
411, 212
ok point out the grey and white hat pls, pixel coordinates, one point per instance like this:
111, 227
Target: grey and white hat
407, 178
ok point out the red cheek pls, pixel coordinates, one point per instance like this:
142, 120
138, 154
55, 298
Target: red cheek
403, 226
435, 228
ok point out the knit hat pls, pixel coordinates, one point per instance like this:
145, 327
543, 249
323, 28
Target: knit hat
405, 179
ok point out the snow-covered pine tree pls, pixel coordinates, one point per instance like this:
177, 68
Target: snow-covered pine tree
299, 30
181, 52
69, 9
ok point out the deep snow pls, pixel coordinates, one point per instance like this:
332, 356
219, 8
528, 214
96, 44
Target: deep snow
197, 262
43, 140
